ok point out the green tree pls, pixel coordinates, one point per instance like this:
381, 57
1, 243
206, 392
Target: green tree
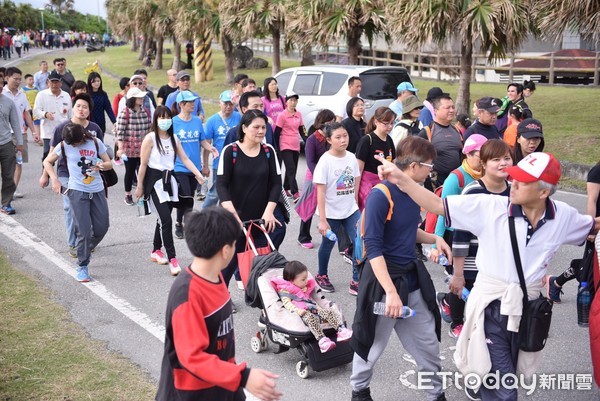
244, 20
555, 16
325, 21
494, 27
61, 6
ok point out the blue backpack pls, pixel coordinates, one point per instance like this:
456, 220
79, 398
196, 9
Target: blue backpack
359, 253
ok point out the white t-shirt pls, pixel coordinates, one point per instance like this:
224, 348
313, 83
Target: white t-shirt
341, 104
338, 174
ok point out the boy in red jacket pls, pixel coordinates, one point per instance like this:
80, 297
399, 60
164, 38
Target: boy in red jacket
199, 359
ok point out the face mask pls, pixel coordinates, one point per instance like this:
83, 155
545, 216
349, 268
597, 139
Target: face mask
165, 123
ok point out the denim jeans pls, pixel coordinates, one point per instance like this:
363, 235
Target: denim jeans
349, 224
71, 233
212, 198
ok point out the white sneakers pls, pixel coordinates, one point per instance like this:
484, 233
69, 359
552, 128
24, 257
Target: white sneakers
159, 257
174, 267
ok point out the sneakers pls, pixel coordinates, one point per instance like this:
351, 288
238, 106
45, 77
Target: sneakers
362, 395
455, 332
118, 162
325, 344
306, 245
179, 230
17, 195
347, 257
296, 197
8, 209
353, 289
343, 334
240, 285
159, 257
554, 291
129, 200
174, 267
444, 307
200, 196
324, 283
73, 252
82, 274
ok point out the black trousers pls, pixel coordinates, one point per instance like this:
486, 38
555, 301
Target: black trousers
131, 165
290, 159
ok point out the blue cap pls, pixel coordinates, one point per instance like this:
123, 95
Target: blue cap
225, 96
185, 96
406, 86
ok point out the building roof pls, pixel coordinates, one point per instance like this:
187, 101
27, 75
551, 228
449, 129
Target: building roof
544, 64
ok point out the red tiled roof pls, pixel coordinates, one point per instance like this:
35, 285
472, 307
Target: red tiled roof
545, 64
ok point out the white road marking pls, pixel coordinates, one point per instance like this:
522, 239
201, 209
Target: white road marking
20, 235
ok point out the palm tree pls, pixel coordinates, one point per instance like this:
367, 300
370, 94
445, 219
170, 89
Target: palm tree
61, 6
119, 16
324, 21
494, 26
162, 26
251, 19
555, 16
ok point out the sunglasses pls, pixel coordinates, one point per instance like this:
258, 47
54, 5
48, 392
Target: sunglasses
185, 79
60, 64
136, 83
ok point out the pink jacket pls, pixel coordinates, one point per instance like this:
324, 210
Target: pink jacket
300, 298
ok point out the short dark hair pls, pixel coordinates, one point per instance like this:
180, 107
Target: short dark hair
27, 76
57, 60
247, 82
493, 148
435, 102
123, 82
209, 230
351, 103
239, 77
247, 118
244, 102
329, 129
10, 71
140, 71
529, 85
352, 79
85, 97
518, 86
292, 268
413, 149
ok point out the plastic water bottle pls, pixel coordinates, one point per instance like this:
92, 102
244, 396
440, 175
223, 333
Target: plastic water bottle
19, 157
442, 259
465, 294
379, 309
330, 235
124, 157
141, 207
584, 300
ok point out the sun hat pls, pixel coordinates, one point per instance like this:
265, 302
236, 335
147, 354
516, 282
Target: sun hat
410, 103
135, 92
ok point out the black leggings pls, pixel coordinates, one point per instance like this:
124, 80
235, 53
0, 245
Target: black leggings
290, 159
131, 165
163, 233
188, 185
568, 274
457, 305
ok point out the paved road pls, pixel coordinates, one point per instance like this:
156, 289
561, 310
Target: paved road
124, 305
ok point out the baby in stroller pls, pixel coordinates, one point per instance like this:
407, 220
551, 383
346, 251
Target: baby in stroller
298, 295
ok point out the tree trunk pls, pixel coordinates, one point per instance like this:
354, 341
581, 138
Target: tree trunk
307, 58
143, 47
463, 100
135, 44
158, 62
227, 45
354, 45
276, 33
176, 55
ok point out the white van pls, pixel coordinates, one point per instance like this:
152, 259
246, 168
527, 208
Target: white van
323, 86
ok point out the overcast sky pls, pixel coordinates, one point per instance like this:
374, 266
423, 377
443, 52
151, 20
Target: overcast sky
93, 7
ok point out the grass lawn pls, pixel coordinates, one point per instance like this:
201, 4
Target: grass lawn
571, 128
44, 356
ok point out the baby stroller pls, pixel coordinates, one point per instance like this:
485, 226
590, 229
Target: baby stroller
282, 327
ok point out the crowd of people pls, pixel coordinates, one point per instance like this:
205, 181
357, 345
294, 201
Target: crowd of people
170, 149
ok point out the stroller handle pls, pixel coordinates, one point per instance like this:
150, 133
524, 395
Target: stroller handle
261, 224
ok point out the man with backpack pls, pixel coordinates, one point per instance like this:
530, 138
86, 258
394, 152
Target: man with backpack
444, 137
393, 275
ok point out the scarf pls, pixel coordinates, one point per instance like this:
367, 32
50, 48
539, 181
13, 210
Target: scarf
319, 135
475, 174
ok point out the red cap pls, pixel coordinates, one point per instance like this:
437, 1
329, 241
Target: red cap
537, 166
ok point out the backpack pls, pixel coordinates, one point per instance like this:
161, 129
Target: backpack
429, 131
359, 253
431, 218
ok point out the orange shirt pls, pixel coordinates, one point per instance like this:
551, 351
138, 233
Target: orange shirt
510, 135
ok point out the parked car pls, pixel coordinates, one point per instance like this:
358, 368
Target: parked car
321, 86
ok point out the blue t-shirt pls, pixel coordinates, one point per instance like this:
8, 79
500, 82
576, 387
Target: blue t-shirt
216, 129
80, 162
198, 109
190, 134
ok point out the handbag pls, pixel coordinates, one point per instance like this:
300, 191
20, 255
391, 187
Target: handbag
246, 257
537, 313
109, 177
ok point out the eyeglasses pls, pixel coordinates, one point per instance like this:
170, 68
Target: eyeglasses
136, 83
430, 166
387, 124
184, 79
